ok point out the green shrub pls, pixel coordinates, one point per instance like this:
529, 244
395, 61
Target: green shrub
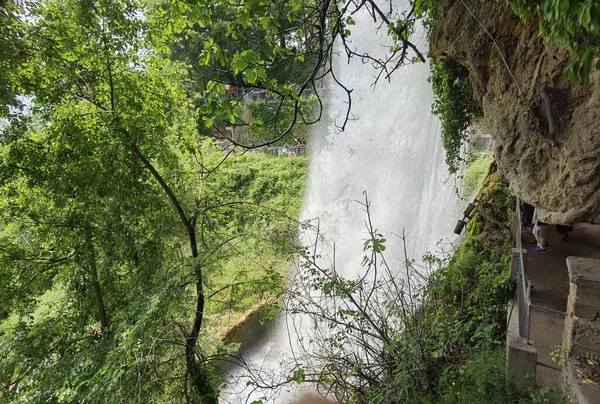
477, 167
467, 299
480, 380
257, 199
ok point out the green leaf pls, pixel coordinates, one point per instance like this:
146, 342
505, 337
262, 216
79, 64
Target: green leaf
299, 376
586, 17
327, 287
231, 116
251, 76
204, 59
238, 63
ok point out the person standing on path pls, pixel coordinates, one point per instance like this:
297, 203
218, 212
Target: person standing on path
540, 231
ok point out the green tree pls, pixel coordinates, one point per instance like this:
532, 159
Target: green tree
12, 52
100, 170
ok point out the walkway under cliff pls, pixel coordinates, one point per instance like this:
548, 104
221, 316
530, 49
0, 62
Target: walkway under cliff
550, 280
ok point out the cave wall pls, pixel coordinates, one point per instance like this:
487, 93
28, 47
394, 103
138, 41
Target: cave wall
561, 178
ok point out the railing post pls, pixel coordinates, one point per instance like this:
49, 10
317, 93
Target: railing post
515, 263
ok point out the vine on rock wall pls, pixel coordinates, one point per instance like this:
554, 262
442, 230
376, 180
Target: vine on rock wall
572, 24
454, 104
453, 101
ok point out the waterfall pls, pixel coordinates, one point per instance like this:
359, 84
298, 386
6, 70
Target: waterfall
392, 150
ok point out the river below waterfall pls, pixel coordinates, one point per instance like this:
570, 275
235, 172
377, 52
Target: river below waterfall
392, 150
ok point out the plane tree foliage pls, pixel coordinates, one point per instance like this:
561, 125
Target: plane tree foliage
230, 31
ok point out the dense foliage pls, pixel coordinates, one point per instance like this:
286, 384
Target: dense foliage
12, 53
259, 199
281, 48
477, 166
270, 118
87, 229
468, 296
253, 202
116, 231
453, 101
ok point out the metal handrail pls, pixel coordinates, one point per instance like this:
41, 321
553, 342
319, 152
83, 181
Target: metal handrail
523, 286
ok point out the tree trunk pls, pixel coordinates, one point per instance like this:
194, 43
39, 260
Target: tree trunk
199, 375
91, 255
282, 43
197, 371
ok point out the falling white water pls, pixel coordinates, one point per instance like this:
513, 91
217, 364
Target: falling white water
392, 150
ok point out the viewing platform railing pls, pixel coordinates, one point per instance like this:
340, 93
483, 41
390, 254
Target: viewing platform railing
285, 151
523, 285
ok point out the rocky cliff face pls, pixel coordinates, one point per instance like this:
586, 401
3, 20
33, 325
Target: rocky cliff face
559, 174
